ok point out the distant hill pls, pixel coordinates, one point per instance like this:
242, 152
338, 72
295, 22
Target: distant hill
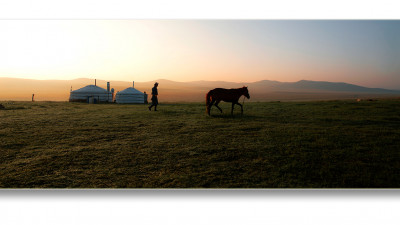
172, 91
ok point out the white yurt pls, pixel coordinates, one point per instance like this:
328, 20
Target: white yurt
91, 94
130, 95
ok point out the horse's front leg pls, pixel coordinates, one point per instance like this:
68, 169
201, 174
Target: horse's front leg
233, 105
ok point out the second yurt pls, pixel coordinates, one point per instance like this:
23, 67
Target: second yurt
91, 94
130, 96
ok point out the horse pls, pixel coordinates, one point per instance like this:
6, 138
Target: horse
227, 95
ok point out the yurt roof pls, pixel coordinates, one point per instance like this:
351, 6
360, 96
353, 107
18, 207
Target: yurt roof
129, 91
90, 89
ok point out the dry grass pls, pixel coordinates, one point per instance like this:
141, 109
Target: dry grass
331, 144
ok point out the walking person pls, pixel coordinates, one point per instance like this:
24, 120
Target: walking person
154, 99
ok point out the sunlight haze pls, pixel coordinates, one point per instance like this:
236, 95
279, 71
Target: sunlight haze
359, 52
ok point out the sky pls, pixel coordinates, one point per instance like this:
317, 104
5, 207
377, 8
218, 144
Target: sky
361, 52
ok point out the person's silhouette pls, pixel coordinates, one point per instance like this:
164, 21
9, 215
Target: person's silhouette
154, 99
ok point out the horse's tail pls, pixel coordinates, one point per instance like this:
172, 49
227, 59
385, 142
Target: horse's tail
208, 100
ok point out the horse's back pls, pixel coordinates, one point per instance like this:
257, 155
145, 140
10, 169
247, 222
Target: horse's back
222, 90
227, 95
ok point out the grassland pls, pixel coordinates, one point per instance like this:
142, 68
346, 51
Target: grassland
326, 144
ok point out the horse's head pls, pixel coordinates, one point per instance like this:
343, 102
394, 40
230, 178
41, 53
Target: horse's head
246, 92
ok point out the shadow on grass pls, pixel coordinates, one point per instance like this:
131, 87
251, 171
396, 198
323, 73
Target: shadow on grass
234, 116
15, 108
176, 112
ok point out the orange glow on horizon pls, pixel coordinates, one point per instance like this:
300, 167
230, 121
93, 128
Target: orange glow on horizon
187, 50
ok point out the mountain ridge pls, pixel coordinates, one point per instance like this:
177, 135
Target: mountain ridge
263, 90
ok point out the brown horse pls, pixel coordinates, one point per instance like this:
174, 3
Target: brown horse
227, 95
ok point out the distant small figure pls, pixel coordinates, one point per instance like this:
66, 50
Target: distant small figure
145, 98
358, 100
2, 107
112, 95
154, 99
33, 97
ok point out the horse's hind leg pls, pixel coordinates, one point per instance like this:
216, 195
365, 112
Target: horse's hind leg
233, 105
216, 105
209, 106
241, 107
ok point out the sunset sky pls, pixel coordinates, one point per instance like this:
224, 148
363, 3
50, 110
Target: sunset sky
365, 53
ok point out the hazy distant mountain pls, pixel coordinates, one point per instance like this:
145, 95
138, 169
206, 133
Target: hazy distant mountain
317, 86
265, 90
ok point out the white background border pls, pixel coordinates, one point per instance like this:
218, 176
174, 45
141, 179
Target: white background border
199, 9
198, 206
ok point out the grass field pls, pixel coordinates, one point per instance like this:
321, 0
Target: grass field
326, 144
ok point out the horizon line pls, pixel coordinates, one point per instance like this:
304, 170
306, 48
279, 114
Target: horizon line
177, 81
199, 81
